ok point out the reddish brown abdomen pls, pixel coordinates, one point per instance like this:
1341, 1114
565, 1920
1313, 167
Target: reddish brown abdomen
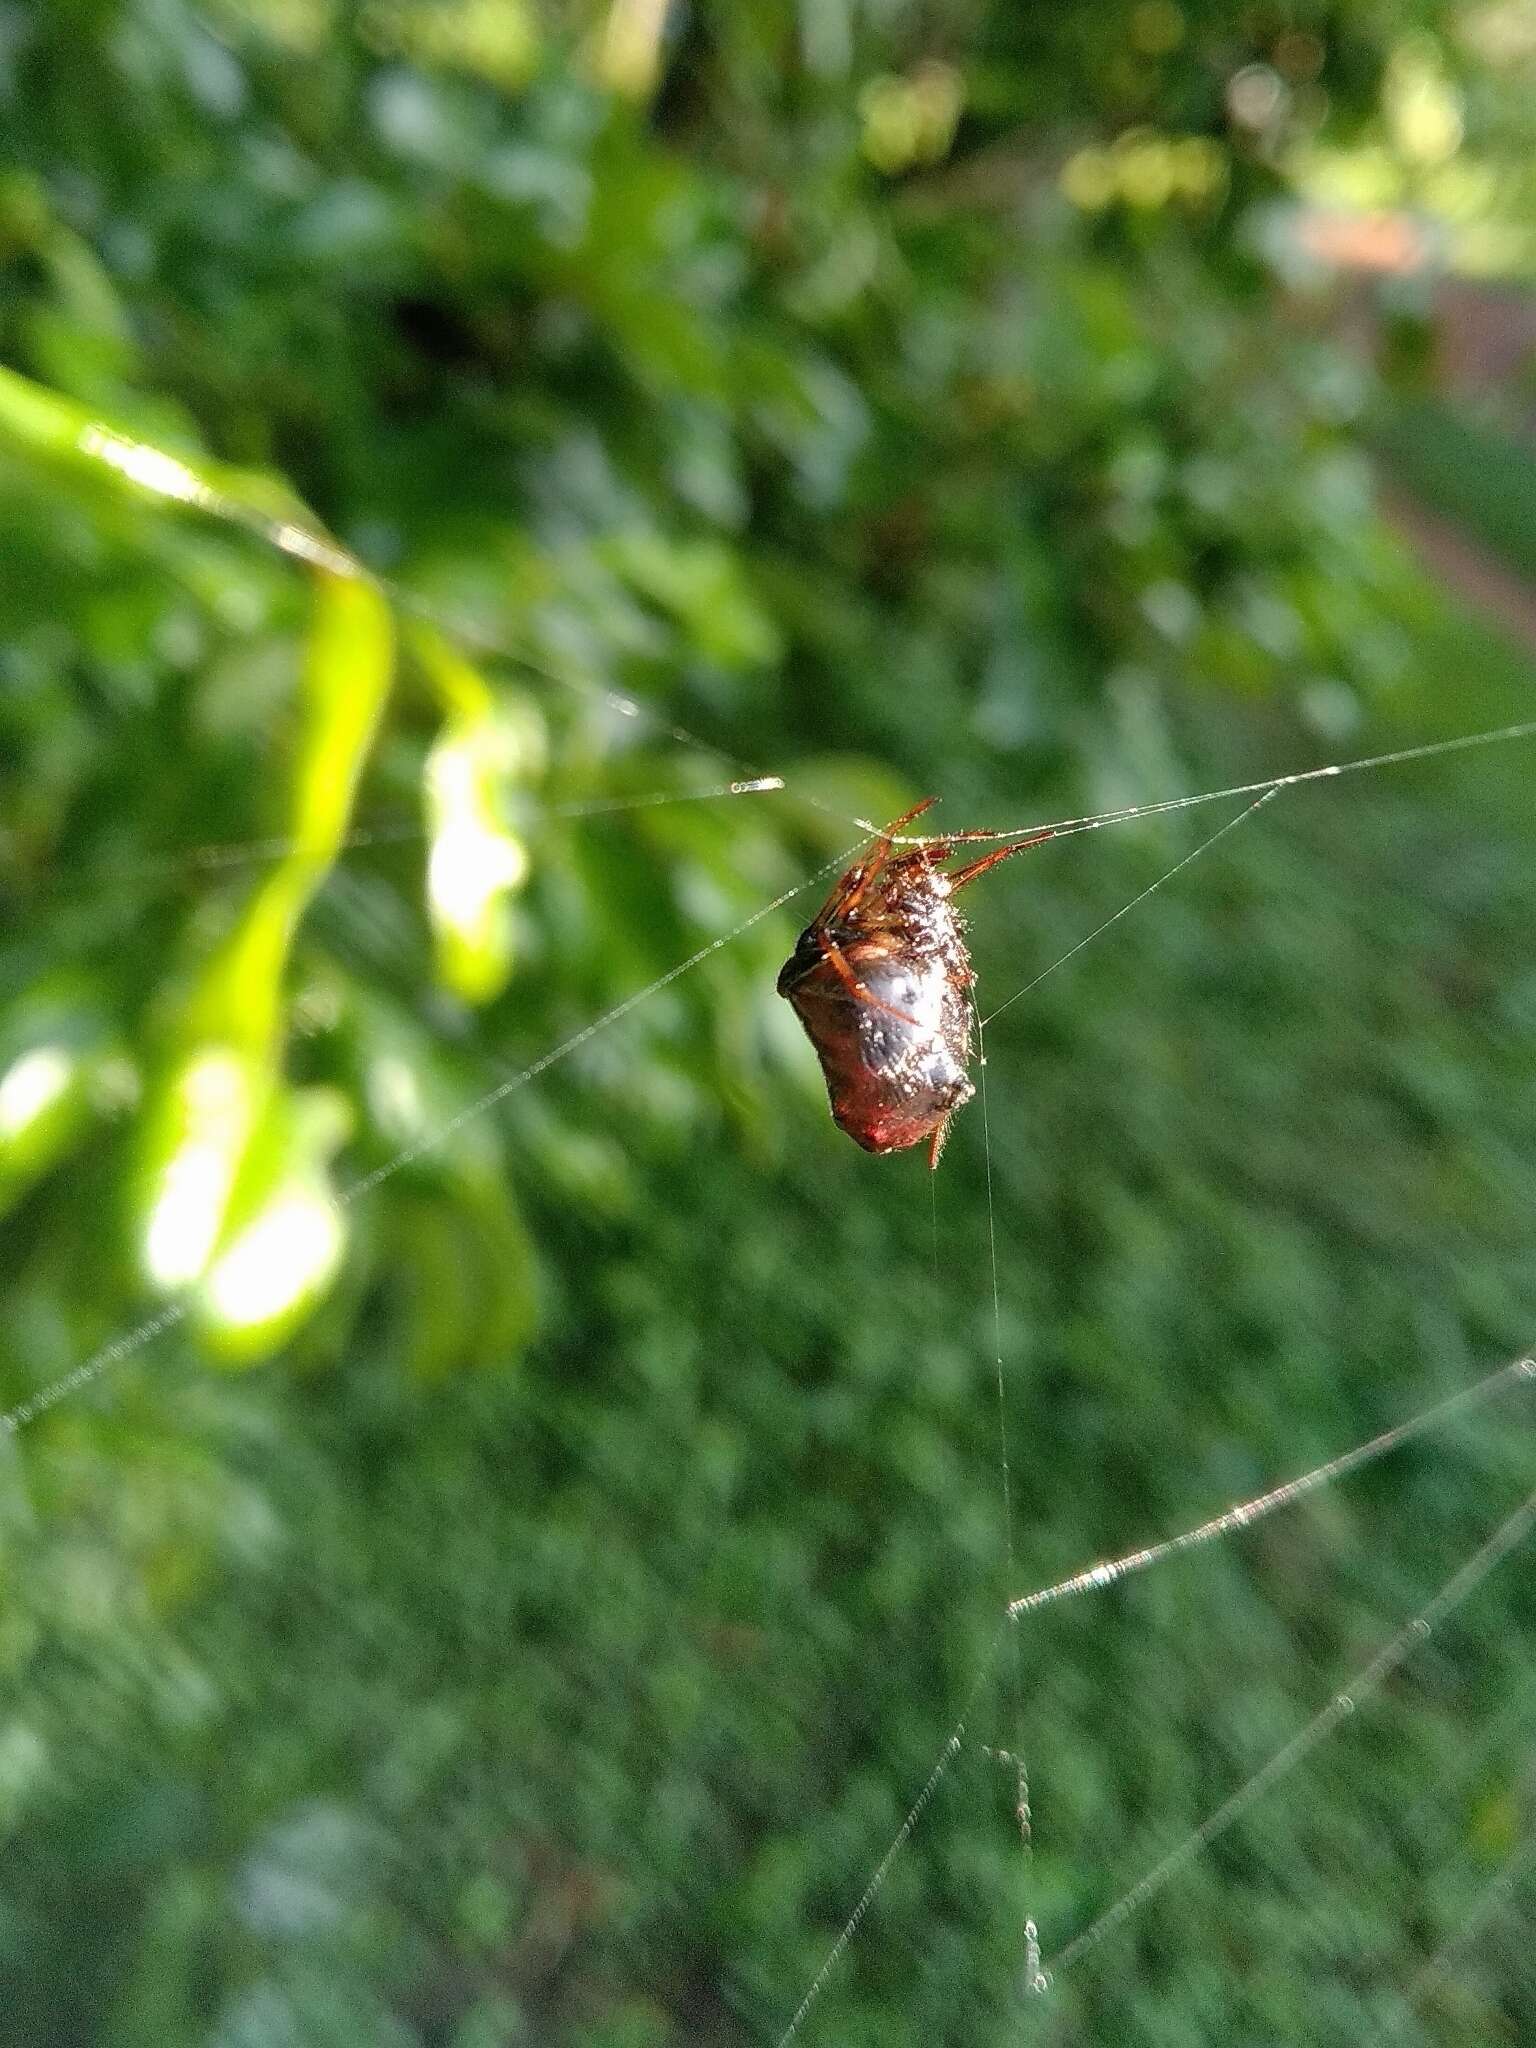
895, 1058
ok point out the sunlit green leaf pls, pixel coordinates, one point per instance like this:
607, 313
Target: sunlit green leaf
44, 1105
223, 1081
475, 861
284, 1235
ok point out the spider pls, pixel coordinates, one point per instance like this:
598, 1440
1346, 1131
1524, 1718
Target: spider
881, 980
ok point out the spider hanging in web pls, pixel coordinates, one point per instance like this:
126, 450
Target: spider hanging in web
881, 979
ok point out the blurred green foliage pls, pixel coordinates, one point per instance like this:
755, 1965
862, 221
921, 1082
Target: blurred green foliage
545, 1643
1467, 468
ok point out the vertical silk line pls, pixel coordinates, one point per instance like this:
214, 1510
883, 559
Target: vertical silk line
1036, 1978
1014, 1753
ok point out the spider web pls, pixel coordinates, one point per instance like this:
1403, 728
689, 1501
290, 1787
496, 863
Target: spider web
1041, 1967
1045, 1960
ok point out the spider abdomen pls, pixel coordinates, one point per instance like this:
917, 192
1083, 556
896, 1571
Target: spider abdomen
894, 1055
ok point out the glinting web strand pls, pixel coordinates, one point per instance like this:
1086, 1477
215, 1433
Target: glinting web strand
1023, 1809
16, 1418
1109, 1571
953, 1744
1244, 1514
1035, 1977
1355, 1691
90, 1369
1397, 757
364, 838
153, 470
165, 476
1126, 908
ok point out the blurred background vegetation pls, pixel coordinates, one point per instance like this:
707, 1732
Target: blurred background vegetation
516, 1599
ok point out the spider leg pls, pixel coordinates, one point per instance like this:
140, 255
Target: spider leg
990, 860
882, 853
833, 954
936, 1143
906, 818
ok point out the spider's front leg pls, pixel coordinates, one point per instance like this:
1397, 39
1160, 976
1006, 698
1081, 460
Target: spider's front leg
849, 903
990, 860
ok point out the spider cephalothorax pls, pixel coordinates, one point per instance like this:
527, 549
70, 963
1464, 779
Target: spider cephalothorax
881, 980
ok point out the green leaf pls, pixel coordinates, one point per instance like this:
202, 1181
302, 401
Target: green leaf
284, 1235
475, 860
223, 1084
44, 1108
